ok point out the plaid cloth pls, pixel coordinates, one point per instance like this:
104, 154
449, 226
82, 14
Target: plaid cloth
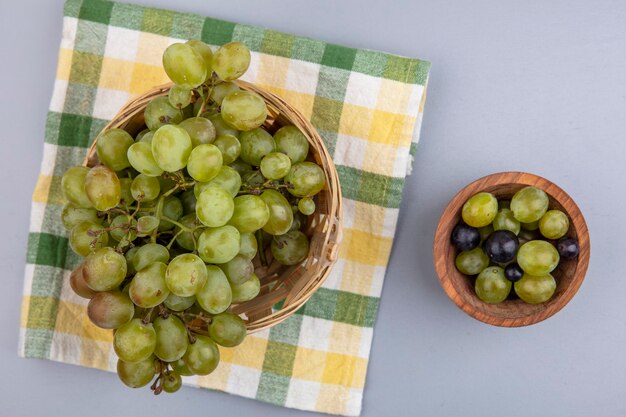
366, 105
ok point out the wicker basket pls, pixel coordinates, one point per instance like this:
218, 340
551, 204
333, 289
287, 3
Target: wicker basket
293, 285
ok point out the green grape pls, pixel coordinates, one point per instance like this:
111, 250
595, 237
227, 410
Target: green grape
306, 178
129, 256
188, 199
529, 204
250, 214
472, 262
136, 375
126, 196
249, 245
554, 224
537, 257
244, 110
290, 141
184, 65
480, 210
201, 131
275, 165
254, 179
73, 215
485, 232
491, 286
147, 138
177, 303
135, 341
166, 184
103, 188
215, 206
290, 248
172, 382
505, 220
532, 226
246, 291
205, 162
205, 52
110, 309
535, 289
255, 144
123, 227
215, 296
141, 158
238, 270
112, 147
202, 356
87, 236
78, 284
149, 253
171, 338
141, 135
180, 367
146, 225
281, 215
241, 167
171, 147
148, 288
231, 61
185, 239
306, 206
227, 178
172, 209
188, 111
179, 97
221, 127
229, 146
219, 245
221, 90
145, 188
159, 112
504, 204
227, 329
73, 186
185, 275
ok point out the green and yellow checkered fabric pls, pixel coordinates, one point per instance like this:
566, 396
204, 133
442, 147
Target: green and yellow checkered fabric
366, 105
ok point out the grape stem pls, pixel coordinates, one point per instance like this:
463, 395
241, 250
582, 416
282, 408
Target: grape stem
268, 185
175, 223
146, 318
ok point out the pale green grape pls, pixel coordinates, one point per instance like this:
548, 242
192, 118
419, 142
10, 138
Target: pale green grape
229, 146
249, 245
238, 270
126, 196
254, 179
227, 329
480, 210
146, 225
141, 158
145, 188
188, 199
505, 220
171, 338
185, 239
73, 186
205, 162
219, 245
221, 127
532, 226
535, 289
221, 90
246, 291
160, 112
231, 61
148, 288
306, 179
123, 229
78, 284
306, 206
179, 96
136, 375
103, 188
205, 52
135, 341
250, 214
171, 147
472, 262
215, 296
202, 356
73, 215
491, 286
147, 138
172, 382
149, 253
201, 131
227, 178
129, 256
554, 224
110, 309
244, 110
185, 275
255, 144
141, 135
184, 65
529, 204
172, 209
290, 248
180, 367
537, 257
112, 147
215, 206
281, 215
275, 165
87, 237
240, 166
177, 303
290, 141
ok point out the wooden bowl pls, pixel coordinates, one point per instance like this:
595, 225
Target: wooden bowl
569, 274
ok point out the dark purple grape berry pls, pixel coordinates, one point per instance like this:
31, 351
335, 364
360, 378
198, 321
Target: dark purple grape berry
501, 246
465, 237
513, 272
568, 248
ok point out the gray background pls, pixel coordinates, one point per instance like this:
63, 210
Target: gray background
538, 86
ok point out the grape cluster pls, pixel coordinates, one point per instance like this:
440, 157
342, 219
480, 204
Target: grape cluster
513, 253
170, 221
